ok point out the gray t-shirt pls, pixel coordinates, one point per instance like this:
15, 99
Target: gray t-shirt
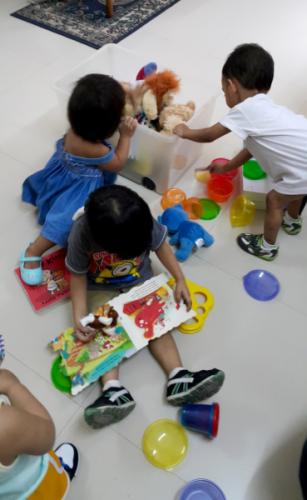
106, 270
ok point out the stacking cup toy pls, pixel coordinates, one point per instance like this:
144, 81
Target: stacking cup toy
219, 188
171, 197
201, 418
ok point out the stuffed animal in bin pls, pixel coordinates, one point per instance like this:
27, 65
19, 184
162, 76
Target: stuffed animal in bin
185, 234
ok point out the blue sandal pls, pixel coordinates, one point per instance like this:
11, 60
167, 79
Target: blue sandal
31, 276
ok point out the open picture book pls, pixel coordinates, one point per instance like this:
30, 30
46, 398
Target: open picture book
124, 326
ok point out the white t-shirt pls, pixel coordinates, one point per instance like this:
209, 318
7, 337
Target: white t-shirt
277, 139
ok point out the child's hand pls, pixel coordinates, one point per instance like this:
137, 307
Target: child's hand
181, 130
127, 126
182, 292
84, 333
217, 167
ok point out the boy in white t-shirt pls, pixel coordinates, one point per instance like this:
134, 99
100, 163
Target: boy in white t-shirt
275, 136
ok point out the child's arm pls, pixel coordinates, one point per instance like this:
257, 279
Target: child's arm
126, 131
167, 258
25, 427
235, 162
78, 292
208, 134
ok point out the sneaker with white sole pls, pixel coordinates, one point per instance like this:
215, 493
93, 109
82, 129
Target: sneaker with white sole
113, 405
253, 244
294, 227
191, 387
69, 458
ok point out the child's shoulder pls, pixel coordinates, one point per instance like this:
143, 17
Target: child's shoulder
77, 146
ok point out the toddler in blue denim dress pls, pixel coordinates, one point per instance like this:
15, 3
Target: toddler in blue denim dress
83, 162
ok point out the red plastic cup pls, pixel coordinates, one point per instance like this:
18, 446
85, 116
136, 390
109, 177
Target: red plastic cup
228, 175
219, 189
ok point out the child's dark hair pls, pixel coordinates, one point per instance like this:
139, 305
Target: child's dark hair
120, 221
95, 107
251, 65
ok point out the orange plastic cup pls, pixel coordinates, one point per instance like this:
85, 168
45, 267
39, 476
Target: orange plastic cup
193, 207
172, 197
219, 189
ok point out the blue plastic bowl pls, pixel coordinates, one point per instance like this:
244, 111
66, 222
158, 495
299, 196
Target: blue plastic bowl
201, 489
261, 285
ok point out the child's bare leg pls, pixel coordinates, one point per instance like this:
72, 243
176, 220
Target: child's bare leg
165, 351
25, 427
110, 376
275, 206
36, 249
294, 208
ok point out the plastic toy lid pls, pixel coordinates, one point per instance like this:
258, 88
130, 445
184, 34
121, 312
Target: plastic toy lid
210, 209
59, 380
201, 489
253, 171
165, 443
261, 285
193, 207
172, 197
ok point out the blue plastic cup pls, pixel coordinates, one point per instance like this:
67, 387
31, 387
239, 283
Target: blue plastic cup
201, 418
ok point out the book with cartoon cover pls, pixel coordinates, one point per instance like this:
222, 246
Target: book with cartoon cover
127, 323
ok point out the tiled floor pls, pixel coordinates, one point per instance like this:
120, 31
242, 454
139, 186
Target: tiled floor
261, 346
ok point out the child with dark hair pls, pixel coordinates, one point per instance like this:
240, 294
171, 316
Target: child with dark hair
271, 133
109, 247
83, 161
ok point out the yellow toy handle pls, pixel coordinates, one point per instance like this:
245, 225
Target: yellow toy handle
202, 303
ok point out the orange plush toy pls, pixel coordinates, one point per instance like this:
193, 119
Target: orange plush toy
159, 90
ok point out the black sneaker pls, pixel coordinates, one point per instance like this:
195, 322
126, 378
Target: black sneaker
189, 387
69, 458
293, 228
113, 405
252, 244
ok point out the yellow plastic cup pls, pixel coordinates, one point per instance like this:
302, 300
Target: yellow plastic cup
242, 211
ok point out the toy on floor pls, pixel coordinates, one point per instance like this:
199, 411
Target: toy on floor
172, 196
201, 489
261, 285
165, 443
203, 418
210, 209
202, 304
242, 211
184, 234
219, 189
193, 207
253, 171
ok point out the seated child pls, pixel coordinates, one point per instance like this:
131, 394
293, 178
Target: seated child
109, 247
83, 161
275, 136
28, 469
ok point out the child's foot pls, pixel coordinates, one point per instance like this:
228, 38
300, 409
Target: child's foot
69, 458
191, 387
113, 405
292, 226
32, 275
254, 245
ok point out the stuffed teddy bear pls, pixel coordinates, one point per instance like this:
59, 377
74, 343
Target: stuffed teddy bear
174, 114
146, 100
185, 234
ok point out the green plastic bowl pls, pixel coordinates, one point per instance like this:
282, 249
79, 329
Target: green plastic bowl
59, 380
210, 209
253, 171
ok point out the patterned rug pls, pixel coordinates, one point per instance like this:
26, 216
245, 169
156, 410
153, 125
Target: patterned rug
85, 21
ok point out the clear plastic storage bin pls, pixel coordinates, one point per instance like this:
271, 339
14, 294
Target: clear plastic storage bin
156, 161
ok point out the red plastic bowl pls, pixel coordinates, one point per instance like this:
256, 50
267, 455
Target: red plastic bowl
219, 189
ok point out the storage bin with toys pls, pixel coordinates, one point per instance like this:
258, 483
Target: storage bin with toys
157, 158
